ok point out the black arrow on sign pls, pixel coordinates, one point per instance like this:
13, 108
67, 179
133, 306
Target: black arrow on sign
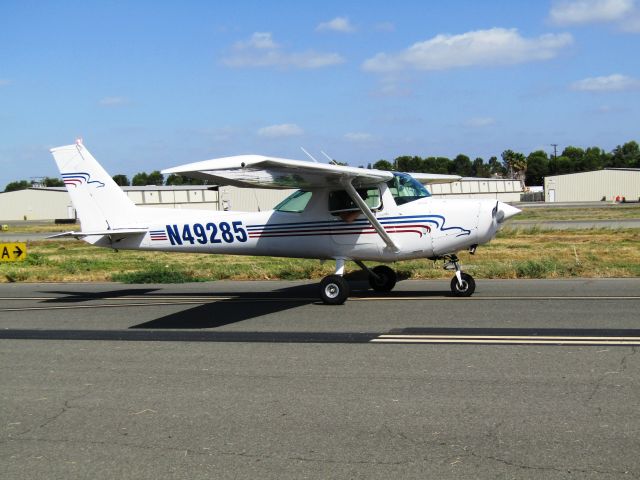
17, 251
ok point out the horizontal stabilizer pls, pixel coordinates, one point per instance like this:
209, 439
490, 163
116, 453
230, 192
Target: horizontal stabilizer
122, 232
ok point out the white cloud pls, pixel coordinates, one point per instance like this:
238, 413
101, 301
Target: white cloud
610, 83
358, 136
338, 24
4, 82
496, 46
259, 40
480, 122
282, 130
577, 12
631, 23
260, 50
113, 101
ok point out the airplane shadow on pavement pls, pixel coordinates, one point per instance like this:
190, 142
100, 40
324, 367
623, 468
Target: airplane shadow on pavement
239, 306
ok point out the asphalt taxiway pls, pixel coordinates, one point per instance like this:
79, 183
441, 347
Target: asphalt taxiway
526, 379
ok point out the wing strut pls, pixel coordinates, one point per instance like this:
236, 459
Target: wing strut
353, 193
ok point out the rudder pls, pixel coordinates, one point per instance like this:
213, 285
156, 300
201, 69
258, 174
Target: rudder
99, 201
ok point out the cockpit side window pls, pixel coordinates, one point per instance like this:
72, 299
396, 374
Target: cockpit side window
405, 188
295, 203
340, 201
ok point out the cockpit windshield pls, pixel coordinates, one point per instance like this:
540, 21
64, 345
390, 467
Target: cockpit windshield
405, 188
294, 203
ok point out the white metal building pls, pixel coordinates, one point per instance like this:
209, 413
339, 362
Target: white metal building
54, 202
472, 187
593, 186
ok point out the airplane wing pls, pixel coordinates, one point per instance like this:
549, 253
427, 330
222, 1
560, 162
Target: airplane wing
429, 178
279, 173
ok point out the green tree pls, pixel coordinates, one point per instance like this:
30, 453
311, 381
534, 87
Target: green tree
560, 165
121, 180
626, 156
436, 165
407, 163
496, 168
575, 155
383, 165
174, 179
155, 178
52, 182
594, 158
515, 163
480, 169
140, 179
461, 165
537, 168
18, 185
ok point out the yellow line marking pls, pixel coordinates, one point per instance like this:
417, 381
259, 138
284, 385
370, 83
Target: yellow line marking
147, 304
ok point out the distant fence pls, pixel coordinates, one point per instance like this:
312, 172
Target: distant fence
532, 197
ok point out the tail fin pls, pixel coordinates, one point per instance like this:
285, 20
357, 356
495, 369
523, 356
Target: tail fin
100, 202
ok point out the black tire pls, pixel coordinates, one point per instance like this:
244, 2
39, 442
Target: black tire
466, 289
386, 279
334, 290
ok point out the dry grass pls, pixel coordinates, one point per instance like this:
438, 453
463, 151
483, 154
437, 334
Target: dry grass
513, 254
606, 211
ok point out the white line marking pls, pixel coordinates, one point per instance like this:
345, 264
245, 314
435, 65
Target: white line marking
500, 337
575, 341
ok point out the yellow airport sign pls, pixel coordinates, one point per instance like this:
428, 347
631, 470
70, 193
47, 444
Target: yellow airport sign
13, 252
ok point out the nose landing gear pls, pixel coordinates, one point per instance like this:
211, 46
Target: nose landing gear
462, 284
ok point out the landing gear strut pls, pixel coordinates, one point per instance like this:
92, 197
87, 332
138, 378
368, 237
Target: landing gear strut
462, 284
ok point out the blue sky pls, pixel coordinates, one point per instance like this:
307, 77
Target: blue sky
154, 84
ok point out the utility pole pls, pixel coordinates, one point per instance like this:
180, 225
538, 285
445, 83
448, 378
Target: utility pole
555, 150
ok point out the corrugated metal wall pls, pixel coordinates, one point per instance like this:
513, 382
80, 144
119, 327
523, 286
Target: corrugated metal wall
500, 189
35, 204
593, 186
251, 199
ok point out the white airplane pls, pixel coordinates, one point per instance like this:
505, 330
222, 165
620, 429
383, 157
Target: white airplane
339, 213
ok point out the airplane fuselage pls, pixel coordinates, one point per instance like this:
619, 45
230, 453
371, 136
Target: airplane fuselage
425, 228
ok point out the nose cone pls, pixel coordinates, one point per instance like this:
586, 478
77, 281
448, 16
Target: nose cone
506, 211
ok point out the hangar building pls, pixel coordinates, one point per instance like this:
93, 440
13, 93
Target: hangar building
593, 186
50, 203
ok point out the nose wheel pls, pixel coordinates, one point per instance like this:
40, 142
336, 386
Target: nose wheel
462, 284
463, 287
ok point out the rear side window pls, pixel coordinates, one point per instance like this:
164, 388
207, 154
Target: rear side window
295, 203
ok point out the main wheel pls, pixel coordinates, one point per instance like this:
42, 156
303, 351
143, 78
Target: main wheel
386, 279
334, 290
465, 289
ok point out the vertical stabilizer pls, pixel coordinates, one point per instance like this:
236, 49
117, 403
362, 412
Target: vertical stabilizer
99, 201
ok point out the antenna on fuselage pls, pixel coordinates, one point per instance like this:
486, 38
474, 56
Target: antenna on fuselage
309, 155
331, 160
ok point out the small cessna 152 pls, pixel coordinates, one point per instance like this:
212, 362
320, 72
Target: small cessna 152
339, 213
